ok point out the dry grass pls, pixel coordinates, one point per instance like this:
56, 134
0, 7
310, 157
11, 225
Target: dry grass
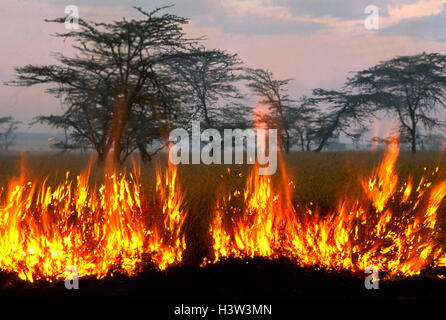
322, 179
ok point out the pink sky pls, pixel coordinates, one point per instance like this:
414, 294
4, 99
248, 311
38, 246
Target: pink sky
317, 57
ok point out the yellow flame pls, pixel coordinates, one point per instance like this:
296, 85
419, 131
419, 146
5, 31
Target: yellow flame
44, 230
381, 228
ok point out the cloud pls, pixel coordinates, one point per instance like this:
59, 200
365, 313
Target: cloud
344, 10
315, 42
250, 24
231, 16
427, 24
186, 8
421, 8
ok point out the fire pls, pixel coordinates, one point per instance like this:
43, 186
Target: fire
99, 231
393, 229
256, 227
116, 227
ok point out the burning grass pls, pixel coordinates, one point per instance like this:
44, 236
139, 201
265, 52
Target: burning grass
390, 226
98, 230
338, 211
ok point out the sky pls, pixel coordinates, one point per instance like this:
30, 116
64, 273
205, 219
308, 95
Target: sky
317, 43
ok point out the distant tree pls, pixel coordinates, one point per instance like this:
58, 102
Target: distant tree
66, 144
433, 141
117, 78
411, 87
88, 124
391, 139
8, 128
357, 135
338, 112
302, 120
282, 113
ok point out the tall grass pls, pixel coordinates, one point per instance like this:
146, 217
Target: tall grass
320, 178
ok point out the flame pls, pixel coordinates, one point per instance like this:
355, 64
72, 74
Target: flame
115, 227
99, 231
393, 229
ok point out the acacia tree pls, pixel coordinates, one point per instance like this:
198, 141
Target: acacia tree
281, 109
208, 85
357, 135
411, 87
8, 128
118, 66
88, 117
302, 123
338, 112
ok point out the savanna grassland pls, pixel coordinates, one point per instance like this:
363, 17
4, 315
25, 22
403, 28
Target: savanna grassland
321, 180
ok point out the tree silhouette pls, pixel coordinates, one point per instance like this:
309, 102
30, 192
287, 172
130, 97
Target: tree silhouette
281, 109
411, 87
207, 80
343, 111
118, 75
8, 128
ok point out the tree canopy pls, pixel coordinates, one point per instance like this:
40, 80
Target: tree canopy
411, 87
131, 81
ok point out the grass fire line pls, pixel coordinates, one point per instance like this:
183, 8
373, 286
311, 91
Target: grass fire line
116, 227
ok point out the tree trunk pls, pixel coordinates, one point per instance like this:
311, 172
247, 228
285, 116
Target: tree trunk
414, 142
302, 142
206, 115
321, 145
413, 132
117, 149
120, 116
101, 158
413, 135
145, 156
308, 144
102, 155
287, 141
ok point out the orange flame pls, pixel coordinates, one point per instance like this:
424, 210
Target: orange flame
99, 231
391, 229
115, 228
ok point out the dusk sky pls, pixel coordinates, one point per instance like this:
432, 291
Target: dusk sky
315, 42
